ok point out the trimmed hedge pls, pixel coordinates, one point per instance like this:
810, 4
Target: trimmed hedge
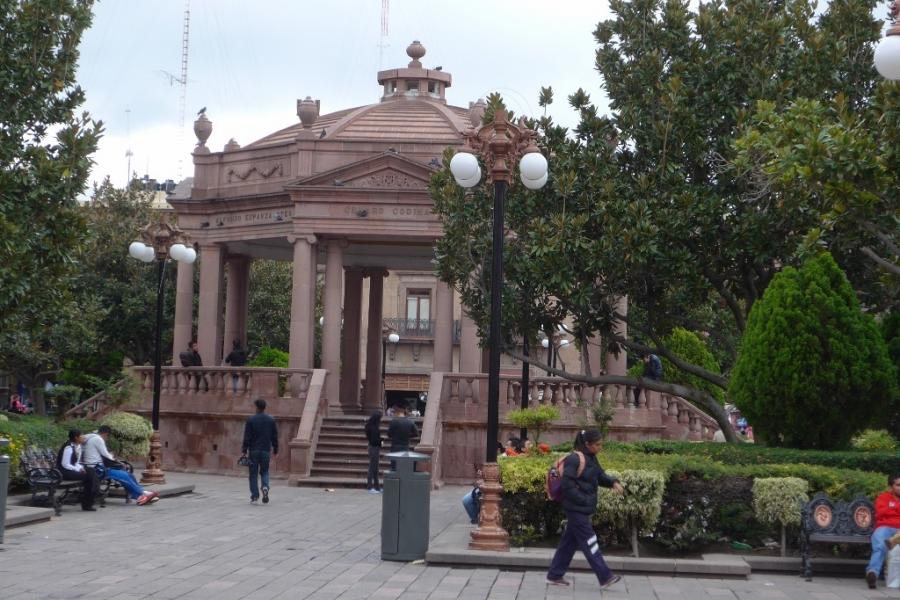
26, 431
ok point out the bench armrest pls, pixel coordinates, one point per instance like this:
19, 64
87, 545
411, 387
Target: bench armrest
43, 476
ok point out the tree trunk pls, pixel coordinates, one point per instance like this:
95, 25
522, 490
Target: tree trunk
634, 541
783, 541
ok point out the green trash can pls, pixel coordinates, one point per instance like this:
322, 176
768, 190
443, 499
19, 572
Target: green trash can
4, 483
405, 507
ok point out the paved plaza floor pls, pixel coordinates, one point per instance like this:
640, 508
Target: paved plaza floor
307, 543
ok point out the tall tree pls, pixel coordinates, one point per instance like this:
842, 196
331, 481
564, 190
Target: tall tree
45, 150
645, 202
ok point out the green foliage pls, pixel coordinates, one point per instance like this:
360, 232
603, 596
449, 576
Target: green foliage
64, 397
130, 436
603, 412
808, 355
779, 499
687, 346
270, 357
639, 507
34, 431
271, 282
875, 440
534, 419
45, 150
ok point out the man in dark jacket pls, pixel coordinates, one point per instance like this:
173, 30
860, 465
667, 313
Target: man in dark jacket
400, 431
191, 358
236, 358
653, 369
260, 435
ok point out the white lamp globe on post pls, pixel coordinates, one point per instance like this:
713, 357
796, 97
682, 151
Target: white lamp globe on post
177, 251
887, 52
393, 338
465, 169
533, 170
136, 250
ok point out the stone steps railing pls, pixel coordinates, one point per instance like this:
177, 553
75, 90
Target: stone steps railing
94, 407
456, 416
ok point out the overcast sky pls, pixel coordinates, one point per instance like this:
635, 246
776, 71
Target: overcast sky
250, 61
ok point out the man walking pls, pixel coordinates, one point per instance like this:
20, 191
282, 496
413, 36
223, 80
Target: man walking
260, 435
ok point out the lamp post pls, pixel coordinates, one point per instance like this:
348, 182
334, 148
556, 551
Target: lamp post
393, 338
499, 143
160, 242
887, 52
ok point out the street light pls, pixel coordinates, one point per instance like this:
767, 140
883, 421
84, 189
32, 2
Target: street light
887, 52
393, 338
160, 241
499, 143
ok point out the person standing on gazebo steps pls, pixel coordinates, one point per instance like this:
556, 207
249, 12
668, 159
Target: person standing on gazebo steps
373, 435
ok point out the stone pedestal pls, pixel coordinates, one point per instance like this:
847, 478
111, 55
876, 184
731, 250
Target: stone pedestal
490, 535
154, 474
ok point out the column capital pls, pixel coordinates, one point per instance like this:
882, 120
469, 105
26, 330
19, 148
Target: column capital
375, 272
309, 238
339, 242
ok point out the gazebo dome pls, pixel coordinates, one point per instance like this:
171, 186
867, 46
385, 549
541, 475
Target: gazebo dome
413, 107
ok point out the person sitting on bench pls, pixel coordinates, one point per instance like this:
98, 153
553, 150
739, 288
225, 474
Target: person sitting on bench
98, 456
887, 525
67, 461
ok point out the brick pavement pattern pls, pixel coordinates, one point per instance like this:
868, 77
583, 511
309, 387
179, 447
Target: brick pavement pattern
307, 543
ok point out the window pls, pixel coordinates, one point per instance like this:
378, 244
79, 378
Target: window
432, 87
418, 311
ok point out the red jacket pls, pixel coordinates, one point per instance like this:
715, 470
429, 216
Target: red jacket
887, 510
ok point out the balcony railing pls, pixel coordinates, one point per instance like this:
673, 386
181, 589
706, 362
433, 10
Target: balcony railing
419, 328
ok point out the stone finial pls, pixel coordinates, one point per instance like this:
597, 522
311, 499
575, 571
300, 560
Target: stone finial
232, 145
476, 112
202, 129
415, 51
308, 111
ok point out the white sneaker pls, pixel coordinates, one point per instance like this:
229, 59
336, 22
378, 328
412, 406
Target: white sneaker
373, 491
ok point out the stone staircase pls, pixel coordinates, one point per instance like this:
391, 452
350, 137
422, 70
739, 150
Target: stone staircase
342, 452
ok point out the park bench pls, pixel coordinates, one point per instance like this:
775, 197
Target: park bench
48, 488
824, 520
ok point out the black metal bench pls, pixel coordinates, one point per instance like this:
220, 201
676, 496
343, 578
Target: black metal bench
825, 520
48, 488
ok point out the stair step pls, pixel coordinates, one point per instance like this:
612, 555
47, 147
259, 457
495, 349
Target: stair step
332, 482
339, 472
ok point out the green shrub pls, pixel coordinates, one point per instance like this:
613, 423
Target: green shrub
36, 431
270, 357
130, 437
808, 356
637, 511
534, 419
780, 500
874, 440
64, 396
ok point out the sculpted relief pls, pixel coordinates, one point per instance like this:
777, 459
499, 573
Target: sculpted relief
388, 179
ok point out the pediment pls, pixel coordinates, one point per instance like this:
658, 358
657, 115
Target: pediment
388, 170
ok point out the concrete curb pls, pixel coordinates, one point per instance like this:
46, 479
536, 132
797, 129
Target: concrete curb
17, 516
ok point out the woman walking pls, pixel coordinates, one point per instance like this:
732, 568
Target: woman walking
373, 435
582, 474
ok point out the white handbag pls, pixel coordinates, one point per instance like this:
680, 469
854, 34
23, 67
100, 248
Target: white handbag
893, 568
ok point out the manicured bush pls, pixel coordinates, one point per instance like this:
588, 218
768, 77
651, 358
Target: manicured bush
534, 419
780, 500
637, 511
813, 369
130, 436
748, 454
874, 440
35, 431
270, 357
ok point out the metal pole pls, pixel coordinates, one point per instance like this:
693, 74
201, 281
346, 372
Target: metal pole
383, 360
4, 483
526, 371
493, 422
157, 353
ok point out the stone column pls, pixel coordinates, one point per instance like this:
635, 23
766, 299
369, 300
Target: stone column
209, 322
243, 299
184, 310
350, 346
302, 303
443, 329
235, 303
618, 365
469, 351
331, 336
374, 391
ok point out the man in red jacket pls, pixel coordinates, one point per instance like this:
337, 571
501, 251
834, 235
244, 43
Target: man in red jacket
887, 524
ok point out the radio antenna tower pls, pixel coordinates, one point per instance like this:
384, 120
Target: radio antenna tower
182, 81
128, 152
382, 44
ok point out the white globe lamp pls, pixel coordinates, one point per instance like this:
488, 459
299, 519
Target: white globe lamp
465, 169
887, 57
148, 254
136, 250
190, 255
177, 251
393, 338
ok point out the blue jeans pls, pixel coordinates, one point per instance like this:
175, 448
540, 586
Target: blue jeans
259, 467
579, 534
879, 549
128, 482
472, 505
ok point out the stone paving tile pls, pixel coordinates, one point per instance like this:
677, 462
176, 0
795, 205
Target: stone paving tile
306, 544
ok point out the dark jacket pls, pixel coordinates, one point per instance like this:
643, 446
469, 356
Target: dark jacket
653, 369
189, 358
400, 431
580, 493
373, 434
260, 433
236, 358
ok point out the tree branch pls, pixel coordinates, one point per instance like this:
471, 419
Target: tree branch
885, 264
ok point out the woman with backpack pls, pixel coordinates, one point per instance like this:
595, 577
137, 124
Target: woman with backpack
581, 475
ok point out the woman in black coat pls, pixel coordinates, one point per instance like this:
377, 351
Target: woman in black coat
582, 474
373, 435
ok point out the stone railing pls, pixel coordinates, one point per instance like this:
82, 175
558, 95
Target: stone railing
303, 446
454, 427
94, 407
227, 381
